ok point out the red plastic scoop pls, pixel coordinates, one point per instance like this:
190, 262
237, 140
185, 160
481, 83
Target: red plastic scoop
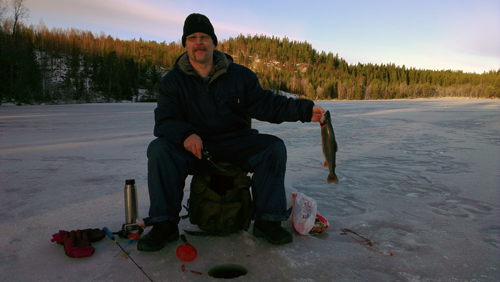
186, 252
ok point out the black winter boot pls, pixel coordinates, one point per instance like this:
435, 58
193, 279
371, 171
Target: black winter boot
161, 234
272, 232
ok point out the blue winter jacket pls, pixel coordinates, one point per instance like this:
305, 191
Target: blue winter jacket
219, 109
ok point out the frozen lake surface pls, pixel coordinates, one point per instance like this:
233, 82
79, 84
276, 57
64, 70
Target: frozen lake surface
420, 178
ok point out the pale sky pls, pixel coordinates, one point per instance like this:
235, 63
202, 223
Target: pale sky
425, 34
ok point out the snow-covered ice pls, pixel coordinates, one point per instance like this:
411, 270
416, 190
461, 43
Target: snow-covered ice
420, 178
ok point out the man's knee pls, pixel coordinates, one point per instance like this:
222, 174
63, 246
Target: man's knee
158, 147
279, 148
163, 153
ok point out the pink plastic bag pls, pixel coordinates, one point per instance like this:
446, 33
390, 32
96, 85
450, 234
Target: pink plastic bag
320, 224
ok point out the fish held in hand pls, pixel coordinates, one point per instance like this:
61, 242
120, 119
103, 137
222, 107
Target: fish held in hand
330, 147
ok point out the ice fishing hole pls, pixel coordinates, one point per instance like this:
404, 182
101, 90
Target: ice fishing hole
227, 271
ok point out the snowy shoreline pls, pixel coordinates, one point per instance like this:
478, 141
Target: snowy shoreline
286, 94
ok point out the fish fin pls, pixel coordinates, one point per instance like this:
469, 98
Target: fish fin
325, 165
333, 179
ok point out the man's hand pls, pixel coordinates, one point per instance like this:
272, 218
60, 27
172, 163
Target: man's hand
194, 145
317, 113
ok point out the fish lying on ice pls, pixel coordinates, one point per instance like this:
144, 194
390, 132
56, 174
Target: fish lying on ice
330, 147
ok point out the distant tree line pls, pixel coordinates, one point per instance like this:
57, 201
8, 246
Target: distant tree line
297, 68
42, 66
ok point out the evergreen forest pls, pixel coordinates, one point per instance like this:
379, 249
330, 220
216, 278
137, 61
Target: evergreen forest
38, 65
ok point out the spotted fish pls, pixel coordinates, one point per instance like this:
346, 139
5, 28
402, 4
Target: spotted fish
330, 147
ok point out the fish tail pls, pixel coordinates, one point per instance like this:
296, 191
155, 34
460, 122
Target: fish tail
332, 178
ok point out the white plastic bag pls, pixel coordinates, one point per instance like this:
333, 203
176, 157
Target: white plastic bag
305, 216
303, 213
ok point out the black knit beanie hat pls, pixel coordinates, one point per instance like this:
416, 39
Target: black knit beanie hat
198, 23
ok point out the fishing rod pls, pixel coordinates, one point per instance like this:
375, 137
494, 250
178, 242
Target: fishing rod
112, 237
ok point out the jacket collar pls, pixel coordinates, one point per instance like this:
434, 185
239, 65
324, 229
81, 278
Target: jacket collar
221, 64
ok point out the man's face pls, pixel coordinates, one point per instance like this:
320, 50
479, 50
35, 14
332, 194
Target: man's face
200, 48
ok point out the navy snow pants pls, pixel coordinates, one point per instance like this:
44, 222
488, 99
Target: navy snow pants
262, 154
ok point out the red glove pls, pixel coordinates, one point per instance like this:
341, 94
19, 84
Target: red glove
77, 243
94, 235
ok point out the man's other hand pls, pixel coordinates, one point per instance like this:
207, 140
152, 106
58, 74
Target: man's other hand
194, 145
